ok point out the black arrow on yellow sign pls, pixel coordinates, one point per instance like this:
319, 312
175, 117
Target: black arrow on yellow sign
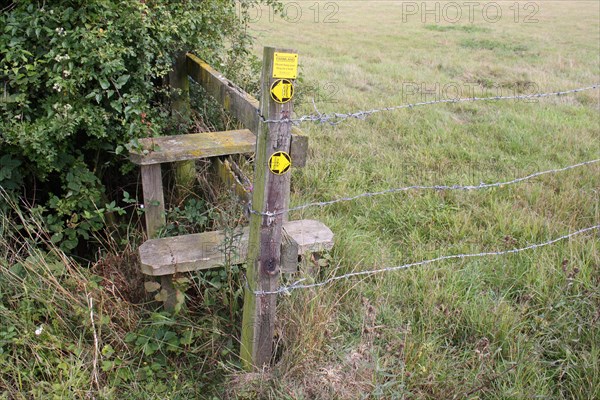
282, 91
280, 162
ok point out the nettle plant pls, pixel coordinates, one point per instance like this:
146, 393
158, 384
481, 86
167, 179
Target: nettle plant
80, 79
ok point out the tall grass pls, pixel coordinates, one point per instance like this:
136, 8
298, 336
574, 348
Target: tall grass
72, 329
49, 335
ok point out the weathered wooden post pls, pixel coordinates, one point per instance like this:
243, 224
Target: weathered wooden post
185, 171
154, 206
270, 195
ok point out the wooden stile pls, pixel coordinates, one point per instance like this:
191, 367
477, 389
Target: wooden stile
272, 244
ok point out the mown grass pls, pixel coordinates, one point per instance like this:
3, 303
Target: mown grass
518, 326
512, 327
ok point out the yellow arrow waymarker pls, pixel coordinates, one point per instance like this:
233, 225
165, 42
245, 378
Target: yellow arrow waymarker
280, 163
282, 91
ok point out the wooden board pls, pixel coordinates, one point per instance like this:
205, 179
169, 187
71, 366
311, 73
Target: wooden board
154, 200
231, 175
185, 170
193, 146
206, 250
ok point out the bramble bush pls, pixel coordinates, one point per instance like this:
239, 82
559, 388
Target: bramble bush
80, 79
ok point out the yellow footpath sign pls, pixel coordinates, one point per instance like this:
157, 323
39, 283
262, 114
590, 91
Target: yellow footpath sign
280, 163
285, 65
282, 91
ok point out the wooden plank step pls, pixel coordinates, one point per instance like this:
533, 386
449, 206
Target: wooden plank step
192, 146
206, 250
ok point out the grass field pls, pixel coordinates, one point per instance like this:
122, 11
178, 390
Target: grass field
513, 327
520, 326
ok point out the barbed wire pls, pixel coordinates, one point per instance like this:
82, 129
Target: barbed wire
336, 118
299, 285
421, 187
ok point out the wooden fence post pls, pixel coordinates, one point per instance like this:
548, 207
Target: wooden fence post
154, 206
185, 171
270, 194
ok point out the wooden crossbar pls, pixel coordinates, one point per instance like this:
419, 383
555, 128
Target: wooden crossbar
208, 250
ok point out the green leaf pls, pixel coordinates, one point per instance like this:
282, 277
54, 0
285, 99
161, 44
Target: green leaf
151, 287
130, 337
108, 351
150, 348
57, 268
187, 337
122, 81
104, 83
69, 245
107, 365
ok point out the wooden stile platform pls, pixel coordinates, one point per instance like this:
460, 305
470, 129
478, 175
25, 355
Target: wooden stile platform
200, 251
192, 146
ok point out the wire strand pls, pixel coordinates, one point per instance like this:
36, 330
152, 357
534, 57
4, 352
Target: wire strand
421, 187
336, 118
298, 285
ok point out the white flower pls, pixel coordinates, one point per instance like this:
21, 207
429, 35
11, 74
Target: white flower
60, 58
57, 87
66, 73
61, 31
39, 330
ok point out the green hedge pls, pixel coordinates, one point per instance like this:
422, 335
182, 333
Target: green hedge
79, 79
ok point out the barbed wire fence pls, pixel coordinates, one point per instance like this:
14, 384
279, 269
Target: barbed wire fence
336, 118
